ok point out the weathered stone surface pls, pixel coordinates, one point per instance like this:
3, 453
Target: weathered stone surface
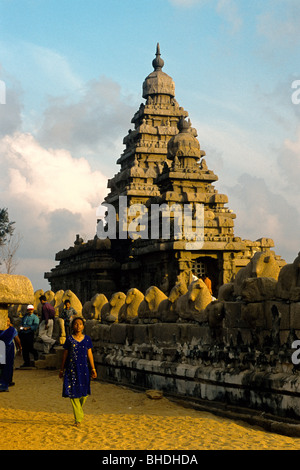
191, 305
149, 307
129, 311
226, 292
3, 316
15, 289
258, 289
118, 333
110, 312
283, 310
74, 300
233, 316
262, 264
140, 334
215, 314
253, 315
288, 286
295, 315
164, 333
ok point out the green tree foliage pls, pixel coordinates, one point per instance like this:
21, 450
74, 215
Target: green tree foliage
6, 227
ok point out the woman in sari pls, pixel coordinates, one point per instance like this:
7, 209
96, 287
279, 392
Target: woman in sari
8, 337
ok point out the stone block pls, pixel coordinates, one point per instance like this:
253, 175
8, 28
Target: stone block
140, 334
237, 336
258, 289
89, 325
164, 332
253, 315
40, 364
284, 336
295, 294
283, 310
102, 332
95, 331
295, 315
118, 333
193, 333
225, 292
232, 318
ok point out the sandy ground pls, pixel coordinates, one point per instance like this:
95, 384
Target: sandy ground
34, 416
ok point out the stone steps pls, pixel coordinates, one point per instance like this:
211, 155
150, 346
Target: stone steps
51, 360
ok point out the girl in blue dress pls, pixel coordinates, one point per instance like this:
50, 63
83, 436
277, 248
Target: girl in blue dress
76, 359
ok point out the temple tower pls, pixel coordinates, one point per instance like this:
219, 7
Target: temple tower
162, 165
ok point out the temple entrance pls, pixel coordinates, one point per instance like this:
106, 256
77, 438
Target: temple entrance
207, 266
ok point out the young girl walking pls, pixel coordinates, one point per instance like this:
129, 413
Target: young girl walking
76, 359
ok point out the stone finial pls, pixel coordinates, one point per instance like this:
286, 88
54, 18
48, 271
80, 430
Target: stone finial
158, 62
183, 125
158, 82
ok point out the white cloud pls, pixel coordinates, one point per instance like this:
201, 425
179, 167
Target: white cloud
233, 150
279, 23
50, 195
10, 113
289, 164
93, 125
261, 182
264, 213
53, 175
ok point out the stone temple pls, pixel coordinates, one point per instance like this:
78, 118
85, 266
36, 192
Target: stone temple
162, 166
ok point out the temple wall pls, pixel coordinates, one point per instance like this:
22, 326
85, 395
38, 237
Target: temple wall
235, 351
233, 364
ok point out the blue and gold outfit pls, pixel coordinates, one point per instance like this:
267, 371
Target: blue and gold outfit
77, 375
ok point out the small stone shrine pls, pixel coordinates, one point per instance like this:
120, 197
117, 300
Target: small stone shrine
162, 165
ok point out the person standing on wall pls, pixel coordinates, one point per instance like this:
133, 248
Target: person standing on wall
67, 315
46, 325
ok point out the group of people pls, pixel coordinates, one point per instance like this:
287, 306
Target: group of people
77, 366
31, 322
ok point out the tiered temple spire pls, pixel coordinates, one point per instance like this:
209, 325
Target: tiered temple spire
162, 163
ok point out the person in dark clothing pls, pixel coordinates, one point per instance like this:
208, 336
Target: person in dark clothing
46, 325
30, 323
9, 337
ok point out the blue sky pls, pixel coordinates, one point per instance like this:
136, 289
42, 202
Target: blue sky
73, 72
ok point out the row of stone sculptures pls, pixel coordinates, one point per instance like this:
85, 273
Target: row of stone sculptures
260, 280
